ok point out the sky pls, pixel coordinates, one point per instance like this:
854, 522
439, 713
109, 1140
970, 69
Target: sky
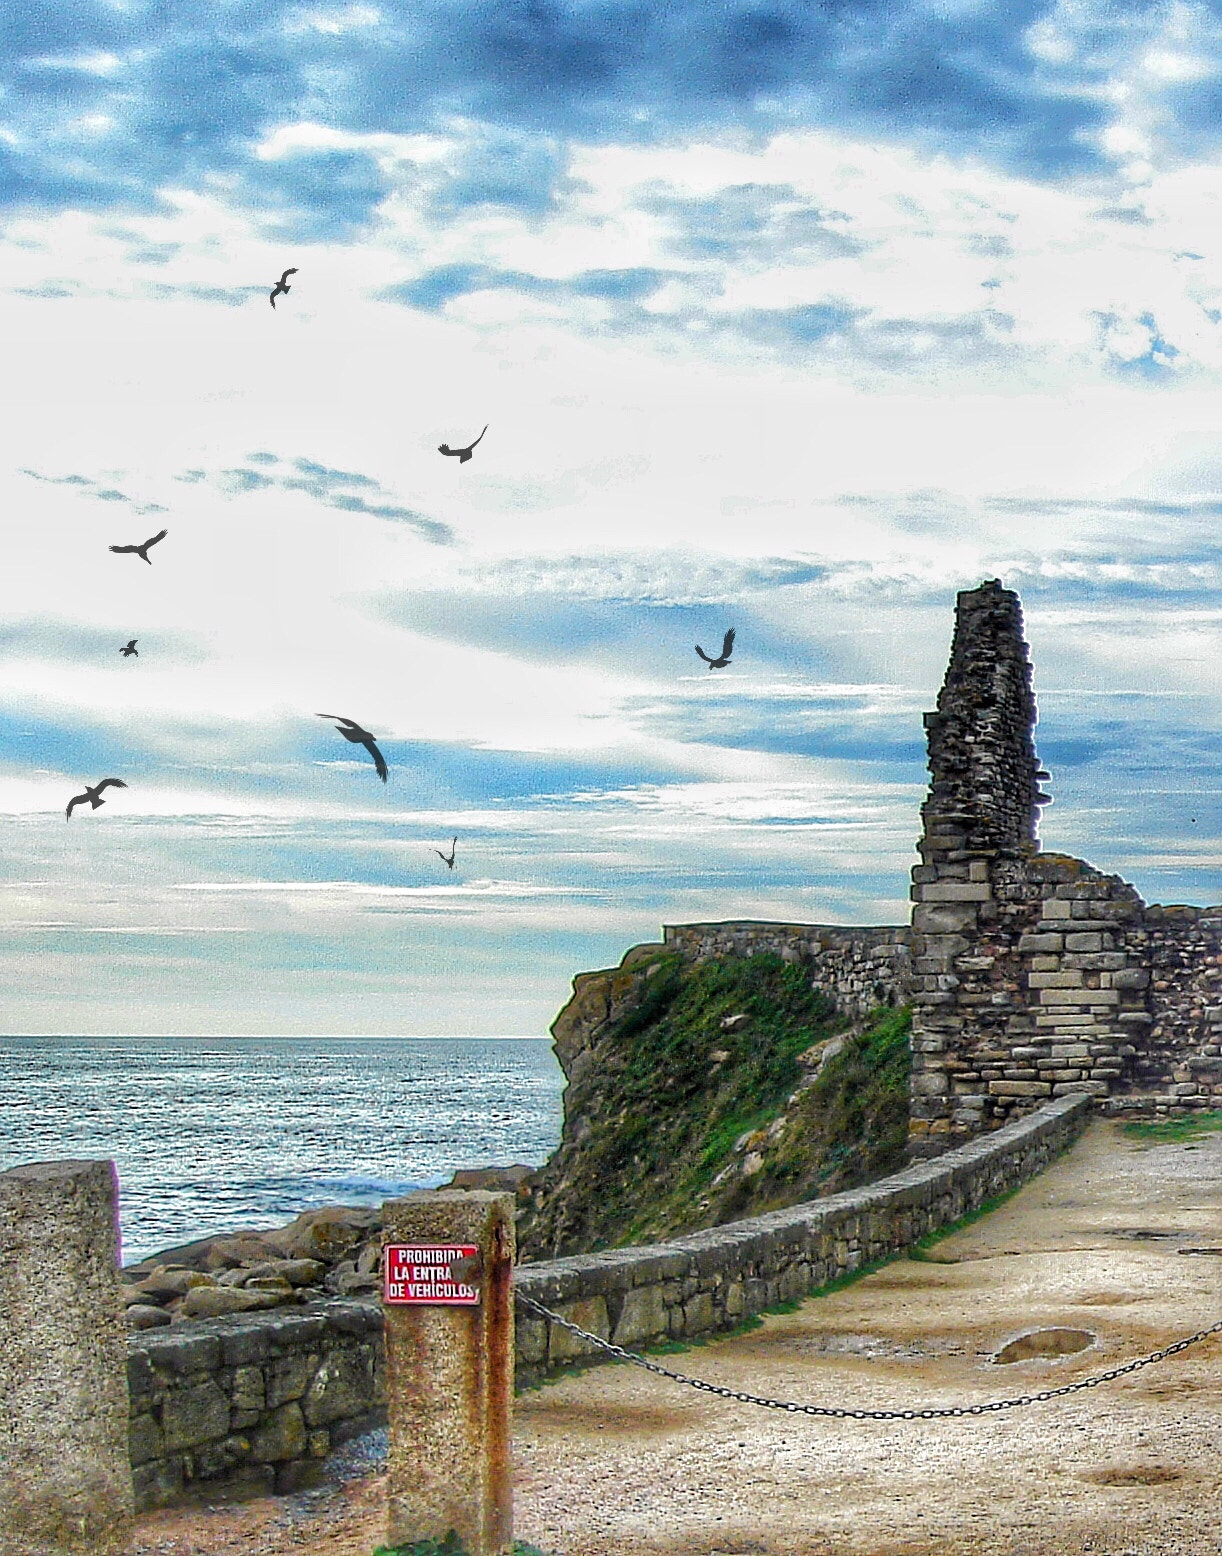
791, 317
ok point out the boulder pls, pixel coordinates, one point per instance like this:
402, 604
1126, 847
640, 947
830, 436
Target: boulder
165, 1285
298, 1272
214, 1301
497, 1180
326, 1234
140, 1315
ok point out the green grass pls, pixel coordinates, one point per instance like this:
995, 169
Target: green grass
1171, 1131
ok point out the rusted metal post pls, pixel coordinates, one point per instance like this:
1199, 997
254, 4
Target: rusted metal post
65, 1468
447, 1293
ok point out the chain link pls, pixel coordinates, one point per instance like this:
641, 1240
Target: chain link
863, 1415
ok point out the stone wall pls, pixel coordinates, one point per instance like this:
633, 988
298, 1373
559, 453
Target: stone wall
258, 1400
1179, 1060
712, 1280
858, 968
253, 1399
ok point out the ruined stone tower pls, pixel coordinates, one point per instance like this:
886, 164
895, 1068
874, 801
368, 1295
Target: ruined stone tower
1024, 979
985, 794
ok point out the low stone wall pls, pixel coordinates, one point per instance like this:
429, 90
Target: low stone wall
262, 1398
860, 968
256, 1400
1179, 1062
712, 1280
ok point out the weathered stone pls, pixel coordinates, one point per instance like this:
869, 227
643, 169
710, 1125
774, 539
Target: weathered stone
342, 1386
140, 1315
281, 1435
213, 1301
194, 1415
65, 1467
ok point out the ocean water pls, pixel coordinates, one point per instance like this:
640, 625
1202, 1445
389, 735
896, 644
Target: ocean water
212, 1134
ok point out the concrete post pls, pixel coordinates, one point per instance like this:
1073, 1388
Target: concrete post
449, 1379
65, 1470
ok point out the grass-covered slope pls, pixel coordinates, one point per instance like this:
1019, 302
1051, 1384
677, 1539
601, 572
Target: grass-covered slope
702, 1093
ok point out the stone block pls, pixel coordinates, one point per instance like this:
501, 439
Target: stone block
698, 1314
282, 1435
1087, 997
1020, 1088
943, 918
1084, 942
1042, 943
288, 1377
1131, 978
342, 1386
194, 1415
1055, 980
247, 1392
954, 891
65, 1466
642, 1317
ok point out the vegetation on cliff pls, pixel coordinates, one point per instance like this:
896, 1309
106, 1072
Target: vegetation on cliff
700, 1093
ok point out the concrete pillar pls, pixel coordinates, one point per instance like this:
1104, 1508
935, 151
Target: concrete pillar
65, 1469
449, 1379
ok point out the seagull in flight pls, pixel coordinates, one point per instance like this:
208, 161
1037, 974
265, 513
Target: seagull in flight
723, 659
94, 794
448, 858
361, 737
142, 550
130, 648
461, 454
282, 286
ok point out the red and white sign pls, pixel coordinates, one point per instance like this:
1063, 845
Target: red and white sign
421, 1273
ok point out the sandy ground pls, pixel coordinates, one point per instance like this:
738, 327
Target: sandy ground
613, 1461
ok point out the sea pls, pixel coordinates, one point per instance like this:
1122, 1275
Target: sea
215, 1134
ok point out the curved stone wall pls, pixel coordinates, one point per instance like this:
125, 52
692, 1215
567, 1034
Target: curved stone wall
261, 1398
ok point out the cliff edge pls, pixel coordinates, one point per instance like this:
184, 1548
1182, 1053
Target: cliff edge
701, 1092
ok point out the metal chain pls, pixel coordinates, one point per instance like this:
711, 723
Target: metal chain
863, 1415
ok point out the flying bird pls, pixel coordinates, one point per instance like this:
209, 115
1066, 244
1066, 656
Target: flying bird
129, 649
360, 737
282, 285
723, 659
449, 858
94, 794
142, 550
461, 454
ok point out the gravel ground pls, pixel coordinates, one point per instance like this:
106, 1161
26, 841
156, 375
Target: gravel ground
615, 1462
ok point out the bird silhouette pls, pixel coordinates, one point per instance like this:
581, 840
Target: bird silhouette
723, 659
94, 794
130, 648
142, 550
449, 858
282, 286
361, 737
461, 454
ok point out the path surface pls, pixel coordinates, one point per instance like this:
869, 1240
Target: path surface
616, 1462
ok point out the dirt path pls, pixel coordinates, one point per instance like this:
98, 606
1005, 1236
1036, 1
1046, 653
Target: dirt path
616, 1462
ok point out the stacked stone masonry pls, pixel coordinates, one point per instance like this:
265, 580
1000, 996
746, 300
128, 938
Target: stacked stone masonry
257, 1400
260, 1399
858, 968
1034, 976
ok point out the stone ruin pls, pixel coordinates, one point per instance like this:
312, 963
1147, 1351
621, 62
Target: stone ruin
1030, 975
1035, 975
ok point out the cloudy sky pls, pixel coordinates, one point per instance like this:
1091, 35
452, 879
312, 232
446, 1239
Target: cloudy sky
790, 317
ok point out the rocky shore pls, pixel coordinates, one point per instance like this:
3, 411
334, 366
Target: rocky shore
333, 1251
